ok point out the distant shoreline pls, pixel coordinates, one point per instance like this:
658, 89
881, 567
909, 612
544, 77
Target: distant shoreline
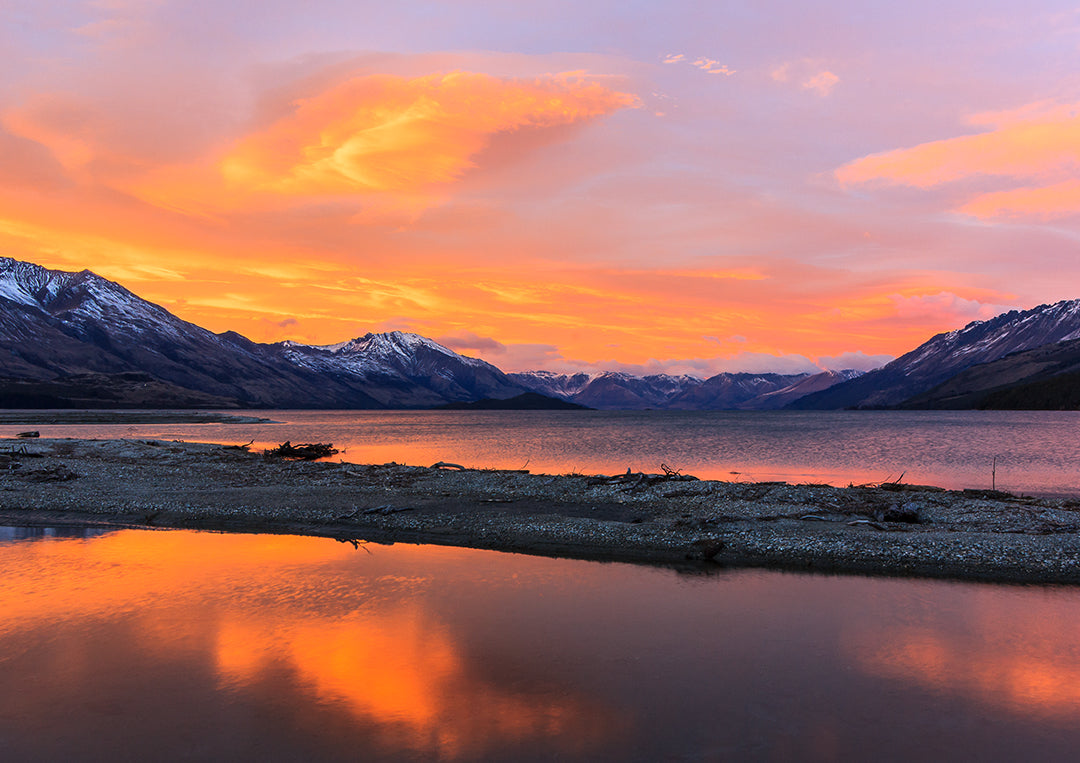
46, 417
890, 529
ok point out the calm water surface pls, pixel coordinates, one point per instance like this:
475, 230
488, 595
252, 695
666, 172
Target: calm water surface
139, 645
1035, 452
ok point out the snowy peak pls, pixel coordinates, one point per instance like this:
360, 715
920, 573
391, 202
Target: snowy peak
613, 390
85, 299
562, 386
951, 353
991, 339
801, 388
56, 323
397, 345
32, 285
392, 352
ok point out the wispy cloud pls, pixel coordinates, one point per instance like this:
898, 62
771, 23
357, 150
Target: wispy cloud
707, 65
1039, 202
712, 66
1033, 151
946, 307
392, 133
465, 341
821, 83
854, 361
808, 73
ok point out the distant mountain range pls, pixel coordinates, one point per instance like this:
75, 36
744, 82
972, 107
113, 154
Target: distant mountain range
727, 391
72, 328
79, 340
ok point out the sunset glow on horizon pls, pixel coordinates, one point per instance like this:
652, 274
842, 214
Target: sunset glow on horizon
678, 189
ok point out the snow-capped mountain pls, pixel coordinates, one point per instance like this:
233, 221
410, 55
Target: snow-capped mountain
946, 355
563, 386
1045, 378
621, 391
776, 399
56, 324
628, 392
405, 370
609, 390
86, 301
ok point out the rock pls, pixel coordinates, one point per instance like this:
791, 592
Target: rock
908, 513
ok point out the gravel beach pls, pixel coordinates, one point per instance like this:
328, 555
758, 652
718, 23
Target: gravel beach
889, 529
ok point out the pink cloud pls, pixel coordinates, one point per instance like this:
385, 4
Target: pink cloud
1041, 203
946, 307
1027, 158
821, 83
856, 361
465, 341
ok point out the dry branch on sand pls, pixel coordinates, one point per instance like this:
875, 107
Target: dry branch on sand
303, 452
639, 480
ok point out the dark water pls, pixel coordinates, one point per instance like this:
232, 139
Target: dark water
138, 645
1018, 451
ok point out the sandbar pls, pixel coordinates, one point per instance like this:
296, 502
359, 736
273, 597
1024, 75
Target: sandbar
675, 520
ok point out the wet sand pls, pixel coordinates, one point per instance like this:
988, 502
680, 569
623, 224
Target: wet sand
890, 529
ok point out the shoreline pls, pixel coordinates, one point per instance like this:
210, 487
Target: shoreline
31, 418
889, 529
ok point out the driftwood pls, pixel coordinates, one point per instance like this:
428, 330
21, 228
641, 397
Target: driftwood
357, 543
18, 451
447, 465
58, 473
302, 452
386, 509
640, 480
243, 447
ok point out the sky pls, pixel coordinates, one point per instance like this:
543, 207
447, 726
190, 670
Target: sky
680, 187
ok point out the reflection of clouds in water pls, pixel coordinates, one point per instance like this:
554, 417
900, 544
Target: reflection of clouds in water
1035, 672
403, 671
351, 633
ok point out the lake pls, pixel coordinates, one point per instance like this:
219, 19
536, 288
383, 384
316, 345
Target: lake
1030, 452
180, 645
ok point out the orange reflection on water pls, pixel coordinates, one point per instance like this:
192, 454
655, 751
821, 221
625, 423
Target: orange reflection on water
113, 573
1035, 672
257, 606
408, 675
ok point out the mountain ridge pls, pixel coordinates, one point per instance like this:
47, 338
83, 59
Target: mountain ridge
947, 354
83, 330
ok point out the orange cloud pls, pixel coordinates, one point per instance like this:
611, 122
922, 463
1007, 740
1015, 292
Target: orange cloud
391, 133
707, 65
1034, 142
634, 272
67, 127
1058, 200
